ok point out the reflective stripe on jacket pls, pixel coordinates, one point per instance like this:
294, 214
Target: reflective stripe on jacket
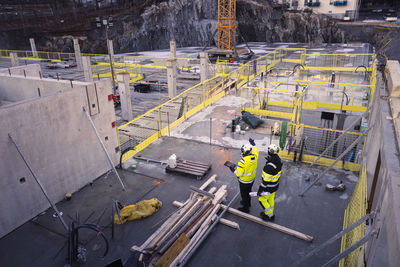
271, 174
247, 167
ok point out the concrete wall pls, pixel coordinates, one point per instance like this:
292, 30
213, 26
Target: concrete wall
31, 70
383, 249
17, 87
392, 71
60, 144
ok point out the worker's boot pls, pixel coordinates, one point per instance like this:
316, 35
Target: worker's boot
242, 203
265, 217
244, 209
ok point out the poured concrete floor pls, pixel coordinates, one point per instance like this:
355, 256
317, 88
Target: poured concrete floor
42, 241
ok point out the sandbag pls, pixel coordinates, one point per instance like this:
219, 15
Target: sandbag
251, 120
140, 210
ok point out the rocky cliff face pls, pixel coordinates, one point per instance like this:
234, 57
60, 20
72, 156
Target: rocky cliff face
192, 22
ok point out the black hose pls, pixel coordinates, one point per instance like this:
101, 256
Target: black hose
347, 98
95, 228
361, 66
122, 154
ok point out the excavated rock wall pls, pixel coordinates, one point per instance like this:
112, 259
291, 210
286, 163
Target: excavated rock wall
191, 23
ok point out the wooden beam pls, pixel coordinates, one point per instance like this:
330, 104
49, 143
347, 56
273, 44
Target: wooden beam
209, 181
255, 219
275, 226
223, 221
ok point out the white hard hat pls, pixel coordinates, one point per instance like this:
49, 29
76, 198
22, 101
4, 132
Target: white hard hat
273, 149
246, 149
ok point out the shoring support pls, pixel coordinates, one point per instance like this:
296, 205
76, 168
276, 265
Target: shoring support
334, 238
333, 164
104, 148
337, 258
59, 215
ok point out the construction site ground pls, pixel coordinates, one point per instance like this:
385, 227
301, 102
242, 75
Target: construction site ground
42, 241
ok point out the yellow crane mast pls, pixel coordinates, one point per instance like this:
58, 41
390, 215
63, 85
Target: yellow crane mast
226, 24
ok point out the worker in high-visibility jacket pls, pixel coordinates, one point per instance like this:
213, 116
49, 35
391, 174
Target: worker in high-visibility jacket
246, 171
270, 182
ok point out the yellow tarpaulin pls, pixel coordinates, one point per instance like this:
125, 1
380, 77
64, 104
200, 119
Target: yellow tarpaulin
137, 211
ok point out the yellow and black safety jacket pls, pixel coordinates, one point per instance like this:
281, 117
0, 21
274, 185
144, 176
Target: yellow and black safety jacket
271, 174
247, 167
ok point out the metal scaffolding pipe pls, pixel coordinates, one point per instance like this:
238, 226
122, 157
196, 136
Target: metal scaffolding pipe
59, 215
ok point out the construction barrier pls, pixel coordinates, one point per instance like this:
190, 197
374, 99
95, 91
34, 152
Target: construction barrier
355, 210
145, 129
339, 62
183, 64
142, 131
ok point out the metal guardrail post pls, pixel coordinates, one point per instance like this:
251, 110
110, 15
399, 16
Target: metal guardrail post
104, 148
59, 215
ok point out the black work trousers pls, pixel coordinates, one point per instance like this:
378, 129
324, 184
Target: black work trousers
245, 189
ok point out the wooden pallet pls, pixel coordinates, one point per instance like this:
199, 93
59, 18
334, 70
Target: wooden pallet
192, 168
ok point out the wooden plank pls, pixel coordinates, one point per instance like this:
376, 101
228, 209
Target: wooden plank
157, 235
208, 182
191, 168
196, 236
176, 248
184, 171
274, 226
192, 165
226, 222
197, 163
177, 224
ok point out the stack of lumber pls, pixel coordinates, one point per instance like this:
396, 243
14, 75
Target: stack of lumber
177, 238
179, 234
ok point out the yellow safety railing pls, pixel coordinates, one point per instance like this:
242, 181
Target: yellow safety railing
145, 129
355, 210
155, 123
159, 121
315, 139
338, 62
145, 61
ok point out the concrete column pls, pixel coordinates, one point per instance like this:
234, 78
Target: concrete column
110, 49
14, 59
171, 75
87, 69
125, 95
203, 66
33, 47
172, 48
78, 56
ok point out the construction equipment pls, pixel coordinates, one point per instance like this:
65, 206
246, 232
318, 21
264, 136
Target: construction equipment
226, 24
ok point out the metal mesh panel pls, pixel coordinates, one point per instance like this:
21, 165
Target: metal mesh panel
355, 210
318, 139
339, 60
